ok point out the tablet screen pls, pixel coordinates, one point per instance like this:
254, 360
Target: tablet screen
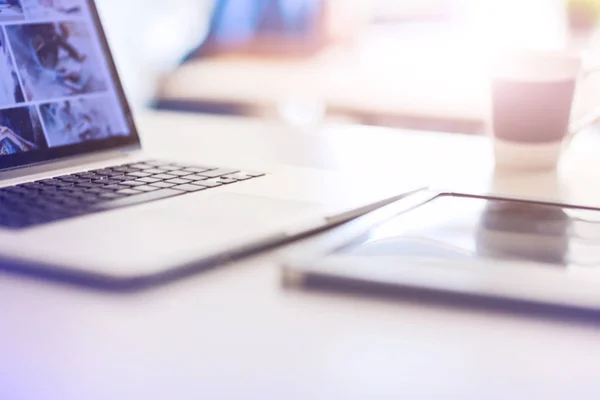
452, 227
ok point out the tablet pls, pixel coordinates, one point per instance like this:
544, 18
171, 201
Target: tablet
486, 246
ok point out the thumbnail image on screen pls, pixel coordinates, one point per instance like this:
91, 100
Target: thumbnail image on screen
80, 120
20, 131
56, 60
10, 90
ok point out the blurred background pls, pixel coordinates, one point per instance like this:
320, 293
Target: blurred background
421, 64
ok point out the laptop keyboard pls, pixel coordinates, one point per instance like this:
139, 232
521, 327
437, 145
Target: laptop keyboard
68, 196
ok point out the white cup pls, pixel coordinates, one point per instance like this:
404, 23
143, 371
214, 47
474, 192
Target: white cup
532, 97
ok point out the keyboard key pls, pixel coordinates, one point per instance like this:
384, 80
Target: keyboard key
189, 188
225, 180
30, 194
107, 172
76, 179
106, 182
162, 184
146, 188
163, 176
128, 192
68, 178
121, 178
253, 174
125, 170
140, 198
56, 193
138, 166
210, 183
64, 184
17, 189
197, 170
138, 175
169, 167
153, 171
180, 173
132, 183
148, 180
89, 175
50, 182
47, 188
196, 177
71, 188
218, 172
179, 181
32, 185
88, 185
115, 173
240, 176
115, 187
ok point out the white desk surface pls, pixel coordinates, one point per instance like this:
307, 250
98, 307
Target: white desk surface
235, 333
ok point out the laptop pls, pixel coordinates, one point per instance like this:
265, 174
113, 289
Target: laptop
81, 201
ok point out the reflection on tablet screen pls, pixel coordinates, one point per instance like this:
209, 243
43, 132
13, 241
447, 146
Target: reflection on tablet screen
461, 227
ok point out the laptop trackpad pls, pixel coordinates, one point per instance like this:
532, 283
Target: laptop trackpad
238, 209
167, 233
188, 225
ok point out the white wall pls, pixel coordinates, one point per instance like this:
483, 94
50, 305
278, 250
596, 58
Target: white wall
148, 37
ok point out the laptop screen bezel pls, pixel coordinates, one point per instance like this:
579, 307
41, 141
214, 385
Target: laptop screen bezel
131, 141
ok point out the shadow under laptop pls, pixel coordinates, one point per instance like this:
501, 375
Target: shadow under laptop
61, 278
77, 280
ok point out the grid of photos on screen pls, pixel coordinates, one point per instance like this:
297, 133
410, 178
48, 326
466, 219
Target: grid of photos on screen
54, 90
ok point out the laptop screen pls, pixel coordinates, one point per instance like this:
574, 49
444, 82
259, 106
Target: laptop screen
59, 92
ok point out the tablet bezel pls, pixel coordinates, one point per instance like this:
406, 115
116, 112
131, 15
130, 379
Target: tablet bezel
317, 261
